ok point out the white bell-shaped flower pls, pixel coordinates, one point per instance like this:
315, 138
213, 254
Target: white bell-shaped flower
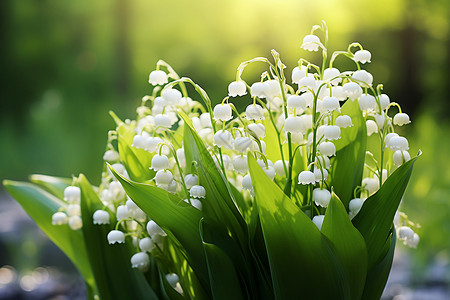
223, 112
240, 164
111, 156
405, 233
223, 138
311, 42
321, 197
116, 236
306, 177
401, 119
122, 212
196, 204
352, 90
160, 162
163, 177
190, 180
371, 184
279, 167
296, 137
384, 101
157, 77
59, 218
398, 143
237, 88
330, 74
399, 157
323, 161
273, 88
101, 217
197, 191
362, 56
355, 206
162, 120
363, 76
258, 129
270, 171
344, 121
172, 96
332, 132
154, 230
331, 104
72, 194
242, 143
147, 244
327, 148
151, 144
298, 73
140, 260
367, 102
247, 182
320, 174
181, 157
318, 221
138, 141
380, 119
174, 282
372, 127
308, 82
258, 89
388, 138
293, 124
338, 92
414, 241
254, 112
297, 102
73, 210
309, 99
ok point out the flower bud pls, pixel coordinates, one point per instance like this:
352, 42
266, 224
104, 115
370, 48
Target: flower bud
399, 157
371, 185
311, 43
384, 101
75, 222
101, 217
247, 182
59, 218
344, 121
355, 206
157, 77
197, 204
254, 112
181, 157
362, 56
237, 88
318, 221
222, 112
190, 180
306, 177
160, 162
163, 177
401, 119
122, 212
147, 244
197, 191
72, 194
111, 156
372, 127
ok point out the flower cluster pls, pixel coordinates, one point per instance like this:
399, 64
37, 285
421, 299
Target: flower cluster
307, 115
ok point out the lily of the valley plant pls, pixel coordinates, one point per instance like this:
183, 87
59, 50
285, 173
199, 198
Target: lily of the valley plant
295, 198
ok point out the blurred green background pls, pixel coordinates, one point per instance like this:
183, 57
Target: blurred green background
64, 64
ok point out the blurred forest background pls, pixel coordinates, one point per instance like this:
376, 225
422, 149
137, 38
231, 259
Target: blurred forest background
64, 64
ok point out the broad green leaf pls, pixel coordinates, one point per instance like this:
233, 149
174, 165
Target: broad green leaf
378, 275
374, 221
223, 276
347, 167
348, 243
111, 266
302, 262
53, 185
177, 218
40, 206
271, 139
219, 205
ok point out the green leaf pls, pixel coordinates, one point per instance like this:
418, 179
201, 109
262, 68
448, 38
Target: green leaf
224, 279
178, 219
302, 262
220, 203
137, 161
111, 266
40, 206
348, 243
374, 221
378, 275
347, 167
53, 185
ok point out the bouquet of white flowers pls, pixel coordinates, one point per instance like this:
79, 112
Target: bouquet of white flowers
297, 197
